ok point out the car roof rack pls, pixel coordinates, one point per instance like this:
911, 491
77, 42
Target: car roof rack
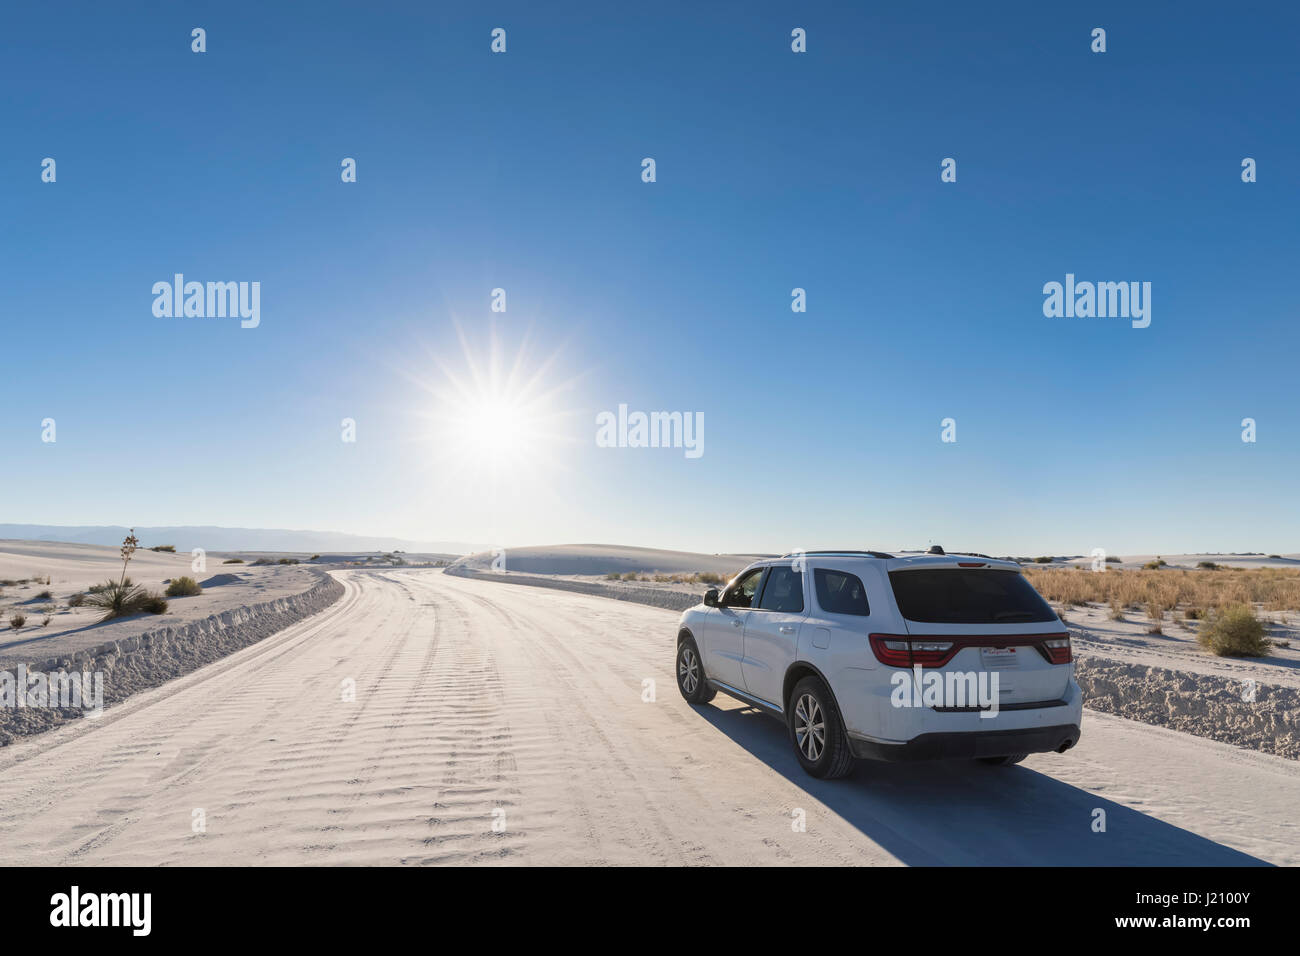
829, 551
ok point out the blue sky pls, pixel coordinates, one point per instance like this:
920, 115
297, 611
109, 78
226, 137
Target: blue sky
775, 170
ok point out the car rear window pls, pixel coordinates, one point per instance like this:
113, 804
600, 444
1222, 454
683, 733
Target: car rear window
839, 592
968, 596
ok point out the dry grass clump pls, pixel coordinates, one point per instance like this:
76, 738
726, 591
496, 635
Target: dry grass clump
1275, 589
702, 577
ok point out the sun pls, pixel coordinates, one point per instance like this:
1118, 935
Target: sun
497, 414
494, 428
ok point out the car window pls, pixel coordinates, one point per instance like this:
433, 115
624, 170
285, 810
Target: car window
741, 594
960, 596
839, 592
783, 591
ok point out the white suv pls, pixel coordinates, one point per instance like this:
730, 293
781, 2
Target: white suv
865, 654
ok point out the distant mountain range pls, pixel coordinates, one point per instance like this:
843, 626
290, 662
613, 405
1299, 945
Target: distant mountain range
186, 537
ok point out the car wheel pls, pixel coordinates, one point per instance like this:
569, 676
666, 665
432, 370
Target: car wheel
817, 731
1002, 761
690, 674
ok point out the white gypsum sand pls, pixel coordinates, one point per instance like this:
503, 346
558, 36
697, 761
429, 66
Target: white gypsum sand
288, 772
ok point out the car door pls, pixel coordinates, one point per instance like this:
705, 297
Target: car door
772, 633
724, 645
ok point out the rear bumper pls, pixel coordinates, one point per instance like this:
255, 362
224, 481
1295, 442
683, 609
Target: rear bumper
970, 744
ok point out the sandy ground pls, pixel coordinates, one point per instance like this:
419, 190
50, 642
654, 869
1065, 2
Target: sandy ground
1095, 634
75, 567
479, 702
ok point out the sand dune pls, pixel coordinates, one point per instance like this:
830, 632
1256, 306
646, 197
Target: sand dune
601, 559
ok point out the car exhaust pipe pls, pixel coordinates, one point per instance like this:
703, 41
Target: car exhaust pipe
1066, 746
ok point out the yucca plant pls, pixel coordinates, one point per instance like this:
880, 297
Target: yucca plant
117, 599
123, 598
129, 544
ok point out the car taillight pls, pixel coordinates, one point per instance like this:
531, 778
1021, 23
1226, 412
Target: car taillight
1058, 650
903, 652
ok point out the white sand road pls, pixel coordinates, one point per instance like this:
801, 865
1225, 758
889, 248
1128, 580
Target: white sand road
474, 698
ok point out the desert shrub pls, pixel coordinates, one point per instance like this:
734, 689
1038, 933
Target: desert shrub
1207, 565
1195, 614
1275, 557
709, 577
183, 587
1155, 565
630, 576
169, 548
1234, 631
314, 557
154, 603
612, 576
233, 561
1043, 560
288, 561
1116, 611
45, 596
77, 600
17, 621
1113, 559
45, 622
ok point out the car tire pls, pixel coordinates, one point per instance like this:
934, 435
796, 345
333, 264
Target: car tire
816, 730
1007, 761
690, 673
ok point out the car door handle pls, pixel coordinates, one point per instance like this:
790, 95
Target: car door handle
787, 629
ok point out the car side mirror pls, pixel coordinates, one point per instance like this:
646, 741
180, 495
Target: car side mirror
711, 597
